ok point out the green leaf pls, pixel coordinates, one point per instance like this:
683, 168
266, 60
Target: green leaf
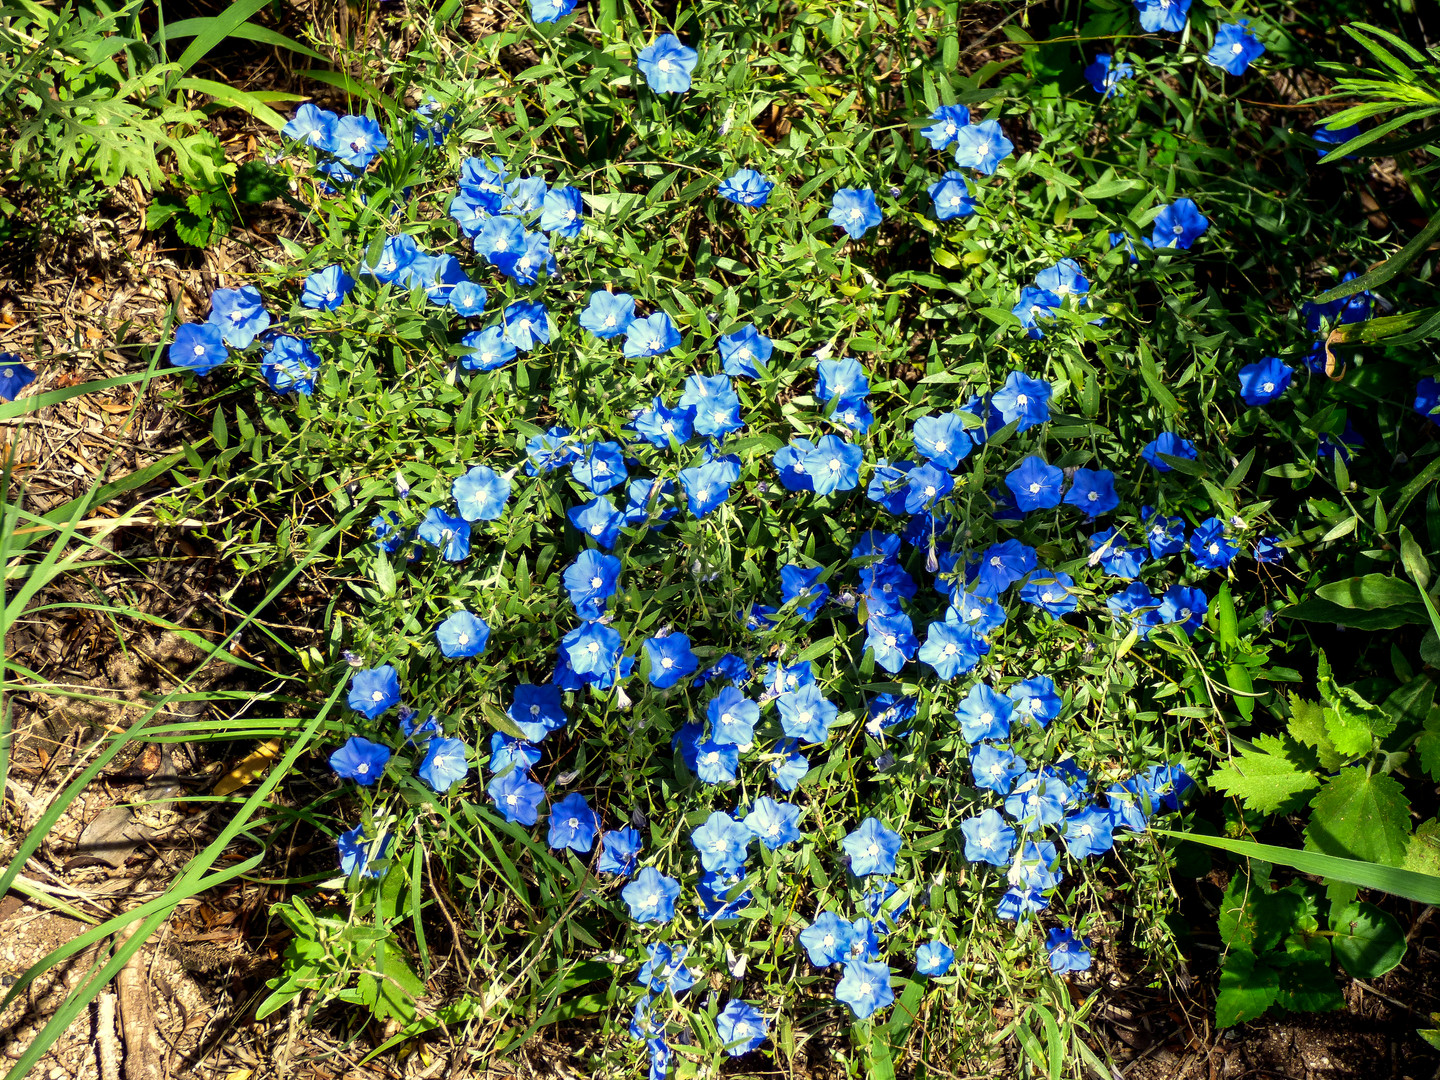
1370, 592
1268, 779
1368, 941
1352, 723
1307, 723
256, 182
1389, 268
1423, 854
1422, 888
1247, 988
1306, 980
1255, 919
1324, 611
1360, 816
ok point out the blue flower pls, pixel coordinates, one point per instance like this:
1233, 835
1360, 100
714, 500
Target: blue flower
1267, 549
781, 678
805, 714
450, 534
774, 824
1115, 554
483, 180
984, 714
1067, 952
945, 126
707, 486
1037, 800
827, 940
1002, 565
1170, 445
951, 196
1022, 399
1093, 491
934, 958
732, 717
1170, 783
718, 416
653, 335
362, 854
1179, 224
872, 848
865, 987
1020, 903
396, 255
714, 891
982, 147
925, 486
462, 635
608, 314
942, 439
573, 824
591, 649
994, 768
360, 760
15, 376
357, 140
1209, 547
883, 585
389, 537
1235, 48
722, 842
1262, 383
599, 467
746, 187
436, 274
840, 379
239, 313
563, 211
1105, 73
664, 970
855, 211
618, 851
1089, 832
1063, 279
312, 126
1036, 698
537, 710
1344, 444
1184, 607
657, 425
1035, 868
670, 659
524, 266
1330, 138
327, 288
1035, 304
524, 196
469, 213
527, 323
893, 639
499, 236
651, 896
480, 494
374, 690
197, 346
716, 762
743, 350
599, 520
488, 350
787, 765
988, 838
1052, 591
666, 64
1036, 485
834, 465
467, 298
983, 613
444, 764
1137, 601
1158, 15
982, 407
740, 1027
800, 583
508, 753
548, 451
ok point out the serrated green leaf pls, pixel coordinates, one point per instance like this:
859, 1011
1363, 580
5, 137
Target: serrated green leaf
1247, 988
1269, 779
257, 182
1360, 816
1423, 854
1352, 723
1307, 724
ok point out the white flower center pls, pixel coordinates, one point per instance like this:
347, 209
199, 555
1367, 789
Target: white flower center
573, 823
930, 491
1034, 489
667, 427
873, 849
856, 214
1268, 387
1214, 549
890, 640
712, 757
665, 66
463, 639
510, 800
377, 696
609, 320
835, 465
597, 529
666, 662
596, 582
594, 648
1237, 48
199, 351
950, 649
362, 768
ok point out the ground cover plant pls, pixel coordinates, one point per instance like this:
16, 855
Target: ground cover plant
828, 507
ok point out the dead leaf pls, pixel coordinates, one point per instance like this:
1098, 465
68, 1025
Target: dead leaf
251, 769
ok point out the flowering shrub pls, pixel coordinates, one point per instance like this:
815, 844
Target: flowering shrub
800, 573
